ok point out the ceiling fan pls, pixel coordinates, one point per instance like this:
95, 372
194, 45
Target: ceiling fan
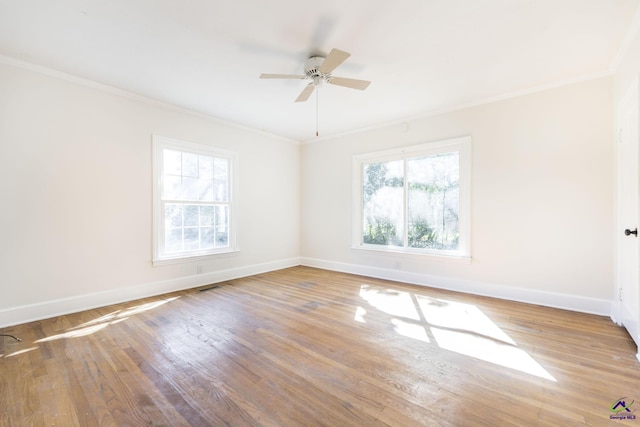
318, 69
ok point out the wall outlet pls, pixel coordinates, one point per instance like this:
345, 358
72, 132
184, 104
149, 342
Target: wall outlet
199, 269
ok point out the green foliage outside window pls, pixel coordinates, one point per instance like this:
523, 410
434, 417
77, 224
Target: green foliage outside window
381, 232
421, 235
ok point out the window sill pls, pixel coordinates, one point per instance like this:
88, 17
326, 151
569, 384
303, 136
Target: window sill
432, 256
194, 258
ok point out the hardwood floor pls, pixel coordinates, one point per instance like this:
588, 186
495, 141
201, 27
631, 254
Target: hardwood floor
307, 347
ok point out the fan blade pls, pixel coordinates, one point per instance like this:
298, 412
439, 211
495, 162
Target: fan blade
350, 83
306, 93
335, 58
282, 76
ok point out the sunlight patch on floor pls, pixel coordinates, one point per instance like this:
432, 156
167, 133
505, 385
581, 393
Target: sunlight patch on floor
390, 301
96, 325
460, 316
16, 353
489, 350
454, 326
410, 330
120, 314
75, 333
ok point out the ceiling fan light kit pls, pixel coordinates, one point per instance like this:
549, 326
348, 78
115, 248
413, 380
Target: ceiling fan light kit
318, 69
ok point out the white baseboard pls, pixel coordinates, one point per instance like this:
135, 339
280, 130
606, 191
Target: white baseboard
45, 310
39, 311
532, 296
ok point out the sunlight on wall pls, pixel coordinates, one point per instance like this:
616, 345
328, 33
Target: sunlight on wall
454, 326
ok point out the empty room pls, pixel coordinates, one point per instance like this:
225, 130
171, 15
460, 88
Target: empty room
343, 213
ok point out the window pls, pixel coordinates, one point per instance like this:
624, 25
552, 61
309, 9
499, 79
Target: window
415, 199
193, 200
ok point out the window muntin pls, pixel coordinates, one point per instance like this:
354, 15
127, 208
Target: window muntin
414, 199
192, 200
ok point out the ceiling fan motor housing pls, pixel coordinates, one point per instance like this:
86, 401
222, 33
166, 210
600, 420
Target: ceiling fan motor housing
312, 67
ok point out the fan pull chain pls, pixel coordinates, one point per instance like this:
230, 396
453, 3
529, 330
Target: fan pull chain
317, 96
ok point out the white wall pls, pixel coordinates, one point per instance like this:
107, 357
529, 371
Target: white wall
628, 68
542, 199
75, 191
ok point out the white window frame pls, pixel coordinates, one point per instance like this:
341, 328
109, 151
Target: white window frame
159, 143
462, 145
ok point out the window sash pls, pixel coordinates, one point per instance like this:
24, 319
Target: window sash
211, 236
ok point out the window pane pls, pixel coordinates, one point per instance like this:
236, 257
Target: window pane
191, 239
180, 188
205, 178
206, 216
205, 190
172, 215
173, 240
191, 215
222, 236
190, 165
172, 162
383, 203
222, 226
221, 193
189, 189
221, 168
188, 176
207, 238
221, 179
172, 187
221, 215
205, 167
433, 201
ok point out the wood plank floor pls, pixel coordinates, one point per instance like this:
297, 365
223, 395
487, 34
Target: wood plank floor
307, 347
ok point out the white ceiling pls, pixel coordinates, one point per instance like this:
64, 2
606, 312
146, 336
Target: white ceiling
422, 56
